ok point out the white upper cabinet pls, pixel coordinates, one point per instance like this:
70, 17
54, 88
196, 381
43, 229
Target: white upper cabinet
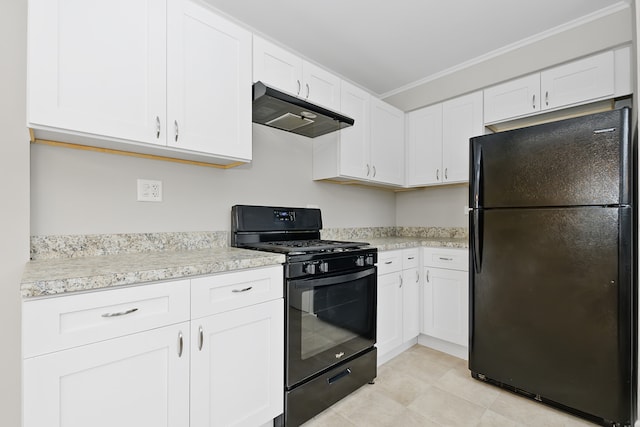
168, 78
286, 71
98, 67
593, 78
370, 151
438, 140
209, 82
461, 120
424, 146
354, 140
387, 143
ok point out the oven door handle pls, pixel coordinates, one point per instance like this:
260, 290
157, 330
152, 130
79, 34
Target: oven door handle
333, 280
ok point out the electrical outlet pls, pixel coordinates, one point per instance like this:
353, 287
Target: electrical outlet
149, 190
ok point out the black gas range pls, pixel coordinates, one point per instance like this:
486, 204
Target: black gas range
330, 290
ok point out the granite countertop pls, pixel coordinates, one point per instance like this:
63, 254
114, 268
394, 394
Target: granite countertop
394, 243
48, 277
60, 275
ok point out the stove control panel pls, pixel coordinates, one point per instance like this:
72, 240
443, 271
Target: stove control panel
315, 267
330, 263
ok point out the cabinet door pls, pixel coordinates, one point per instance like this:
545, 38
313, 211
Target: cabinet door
132, 381
389, 328
387, 143
320, 86
512, 99
209, 82
461, 120
354, 140
446, 305
424, 146
277, 67
579, 81
237, 366
410, 304
98, 67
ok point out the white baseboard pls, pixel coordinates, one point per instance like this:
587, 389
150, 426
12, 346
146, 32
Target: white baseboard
456, 350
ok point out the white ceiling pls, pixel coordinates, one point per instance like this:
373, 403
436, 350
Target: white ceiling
385, 46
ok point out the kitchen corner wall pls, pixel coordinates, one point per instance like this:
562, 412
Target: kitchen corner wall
439, 206
14, 210
81, 192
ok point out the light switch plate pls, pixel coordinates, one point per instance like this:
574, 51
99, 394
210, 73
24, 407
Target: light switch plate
149, 190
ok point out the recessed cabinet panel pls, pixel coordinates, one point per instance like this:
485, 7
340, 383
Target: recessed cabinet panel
424, 148
136, 380
276, 66
98, 67
354, 140
389, 326
512, 99
209, 83
387, 143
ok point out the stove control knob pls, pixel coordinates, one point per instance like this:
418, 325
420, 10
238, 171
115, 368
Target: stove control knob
360, 261
324, 267
309, 268
369, 260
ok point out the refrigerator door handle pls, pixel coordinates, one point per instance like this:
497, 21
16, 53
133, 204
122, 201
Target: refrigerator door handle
476, 244
477, 176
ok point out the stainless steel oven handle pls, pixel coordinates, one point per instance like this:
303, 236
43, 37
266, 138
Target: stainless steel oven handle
334, 280
339, 376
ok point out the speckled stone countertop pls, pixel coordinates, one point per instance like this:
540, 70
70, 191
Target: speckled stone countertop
63, 264
62, 275
394, 243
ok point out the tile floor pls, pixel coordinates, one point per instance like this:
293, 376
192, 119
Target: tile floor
424, 387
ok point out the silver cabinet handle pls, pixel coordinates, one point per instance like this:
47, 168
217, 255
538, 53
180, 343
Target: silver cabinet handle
445, 173
120, 313
299, 87
180, 344
546, 98
200, 338
411, 257
368, 169
388, 262
242, 290
307, 85
417, 276
533, 101
157, 127
401, 281
427, 278
437, 174
175, 124
445, 258
374, 171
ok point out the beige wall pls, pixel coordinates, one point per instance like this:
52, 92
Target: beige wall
79, 192
14, 190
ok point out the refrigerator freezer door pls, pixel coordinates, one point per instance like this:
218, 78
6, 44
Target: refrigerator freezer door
575, 162
551, 307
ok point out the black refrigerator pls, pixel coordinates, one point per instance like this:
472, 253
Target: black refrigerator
552, 281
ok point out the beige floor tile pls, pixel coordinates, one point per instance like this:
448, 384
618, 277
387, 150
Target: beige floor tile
493, 419
532, 413
329, 418
399, 385
420, 366
410, 418
371, 408
460, 383
447, 409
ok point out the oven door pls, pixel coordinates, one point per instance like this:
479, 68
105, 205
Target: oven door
329, 320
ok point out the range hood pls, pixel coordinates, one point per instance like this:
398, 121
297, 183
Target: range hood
280, 110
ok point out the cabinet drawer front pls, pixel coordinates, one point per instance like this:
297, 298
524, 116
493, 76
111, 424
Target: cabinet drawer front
389, 261
410, 258
228, 291
453, 259
68, 321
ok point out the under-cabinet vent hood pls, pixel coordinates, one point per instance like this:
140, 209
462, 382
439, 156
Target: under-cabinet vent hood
277, 109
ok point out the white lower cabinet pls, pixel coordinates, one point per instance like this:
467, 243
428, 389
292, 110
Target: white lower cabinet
131, 381
446, 295
237, 366
398, 299
202, 352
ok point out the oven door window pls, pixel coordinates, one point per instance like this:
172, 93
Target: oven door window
329, 320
